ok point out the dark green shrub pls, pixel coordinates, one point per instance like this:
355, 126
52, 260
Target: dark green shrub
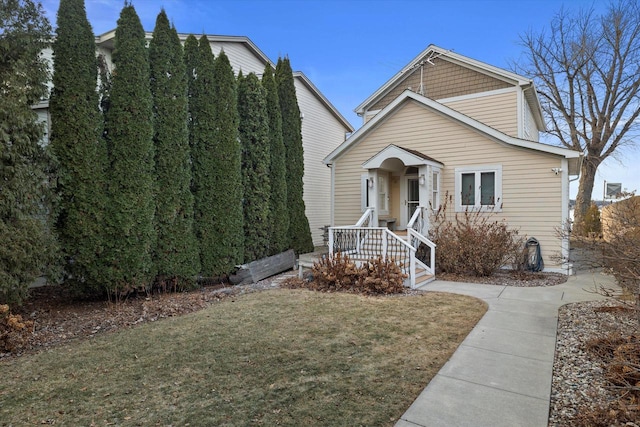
131, 177
26, 243
591, 224
256, 158
79, 149
176, 258
278, 212
299, 230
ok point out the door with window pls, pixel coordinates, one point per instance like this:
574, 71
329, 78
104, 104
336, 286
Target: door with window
413, 196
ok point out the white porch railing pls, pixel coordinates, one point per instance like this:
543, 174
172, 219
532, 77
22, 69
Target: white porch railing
366, 220
425, 248
365, 243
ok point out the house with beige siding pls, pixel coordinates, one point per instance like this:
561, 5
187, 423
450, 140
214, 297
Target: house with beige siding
448, 125
323, 127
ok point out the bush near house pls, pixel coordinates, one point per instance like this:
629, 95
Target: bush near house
14, 331
338, 273
27, 247
473, 243
591, 224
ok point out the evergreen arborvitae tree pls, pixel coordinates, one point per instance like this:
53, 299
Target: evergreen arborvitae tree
130, 186
202, 123
299, 231
175, 255
76, 140
254, 140
216, 184
25, 243
278, 212
228, 185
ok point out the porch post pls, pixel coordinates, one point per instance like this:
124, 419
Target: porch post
425, 175
373, 195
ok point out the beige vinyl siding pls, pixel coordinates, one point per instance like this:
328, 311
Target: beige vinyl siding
321, 134
495, 110
529, 128
442, 79
531, 192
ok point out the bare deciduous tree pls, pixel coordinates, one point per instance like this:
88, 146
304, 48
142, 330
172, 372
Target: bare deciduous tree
587, 70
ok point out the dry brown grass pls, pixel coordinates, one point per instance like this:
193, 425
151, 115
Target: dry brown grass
287, 357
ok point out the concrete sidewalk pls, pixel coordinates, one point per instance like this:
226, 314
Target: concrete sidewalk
501, 373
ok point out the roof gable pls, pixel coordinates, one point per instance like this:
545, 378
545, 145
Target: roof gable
439, 73
407, 156
487, 131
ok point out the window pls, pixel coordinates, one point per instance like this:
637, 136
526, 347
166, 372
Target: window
364, 192
383, 191
435, 194
478, 188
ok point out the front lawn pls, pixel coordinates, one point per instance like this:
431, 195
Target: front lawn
280, 357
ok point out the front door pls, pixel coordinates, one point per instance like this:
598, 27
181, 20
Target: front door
413, 196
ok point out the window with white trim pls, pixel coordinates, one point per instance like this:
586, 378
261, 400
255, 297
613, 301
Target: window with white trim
478, 188
364, 192
383, 194
435, 190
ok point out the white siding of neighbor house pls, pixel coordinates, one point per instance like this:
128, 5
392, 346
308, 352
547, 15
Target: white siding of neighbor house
321, 134
531, 192
321, 130
240, 57
498, 110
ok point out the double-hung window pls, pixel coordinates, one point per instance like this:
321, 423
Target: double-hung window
478, 188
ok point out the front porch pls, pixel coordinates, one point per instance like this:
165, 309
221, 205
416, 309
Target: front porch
410, 249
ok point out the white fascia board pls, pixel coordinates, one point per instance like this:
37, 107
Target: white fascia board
109, 36
323, 100
353, 139
453, 114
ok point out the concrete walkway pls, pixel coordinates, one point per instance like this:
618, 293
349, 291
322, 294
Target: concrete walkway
501, 373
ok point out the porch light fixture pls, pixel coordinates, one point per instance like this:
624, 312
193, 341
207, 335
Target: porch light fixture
370, 183
421, 180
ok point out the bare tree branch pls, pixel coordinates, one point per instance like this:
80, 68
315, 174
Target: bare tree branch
587, 71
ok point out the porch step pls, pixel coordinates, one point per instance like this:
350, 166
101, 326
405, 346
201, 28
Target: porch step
424, 279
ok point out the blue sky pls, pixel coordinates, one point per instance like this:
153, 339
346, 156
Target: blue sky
349, 48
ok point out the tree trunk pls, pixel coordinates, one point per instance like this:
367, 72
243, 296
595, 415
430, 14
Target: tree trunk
585, 188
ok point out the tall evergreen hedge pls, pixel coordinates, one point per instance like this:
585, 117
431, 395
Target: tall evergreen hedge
216, 184
129, 134
26, 246
299, 231
176, 252
76, 140
254, 139
278, 213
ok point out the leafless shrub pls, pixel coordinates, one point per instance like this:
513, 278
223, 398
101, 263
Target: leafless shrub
338, 273
473, 242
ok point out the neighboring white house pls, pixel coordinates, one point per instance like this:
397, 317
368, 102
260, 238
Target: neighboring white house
323, 127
